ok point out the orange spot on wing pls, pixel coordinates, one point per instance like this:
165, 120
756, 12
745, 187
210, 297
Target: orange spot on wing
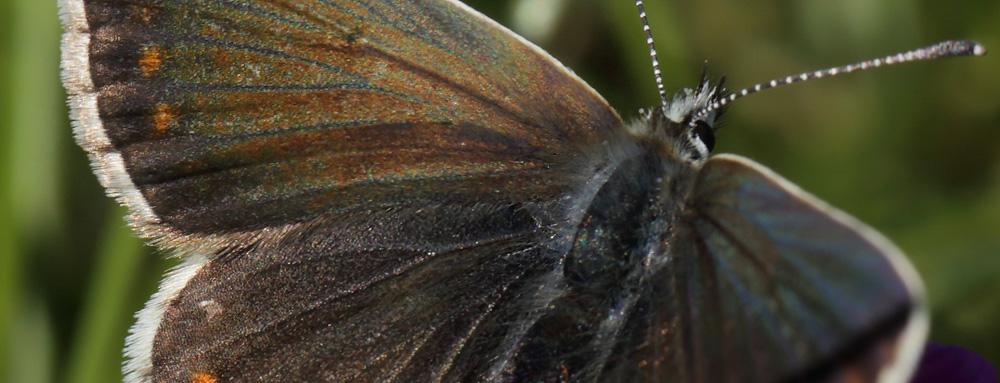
151, 60
140, 15
202, 377
161, 120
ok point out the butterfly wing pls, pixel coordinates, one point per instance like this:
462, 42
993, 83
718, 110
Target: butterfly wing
210, 117
323, 308
771, 284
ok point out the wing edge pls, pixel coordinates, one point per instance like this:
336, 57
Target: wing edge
535, 48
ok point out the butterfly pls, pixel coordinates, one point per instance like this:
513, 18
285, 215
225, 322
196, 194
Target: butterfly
408, 191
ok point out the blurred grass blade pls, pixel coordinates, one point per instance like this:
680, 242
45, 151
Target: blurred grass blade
98, 342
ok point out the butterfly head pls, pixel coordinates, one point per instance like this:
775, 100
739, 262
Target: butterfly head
686, 124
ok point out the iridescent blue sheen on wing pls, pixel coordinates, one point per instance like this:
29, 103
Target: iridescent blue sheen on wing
780, 284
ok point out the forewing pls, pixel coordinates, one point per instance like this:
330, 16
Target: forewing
209, 116
768, 284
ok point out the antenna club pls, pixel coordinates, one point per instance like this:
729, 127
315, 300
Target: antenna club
956, 48
979, 50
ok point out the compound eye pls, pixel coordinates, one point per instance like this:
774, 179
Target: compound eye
705, 134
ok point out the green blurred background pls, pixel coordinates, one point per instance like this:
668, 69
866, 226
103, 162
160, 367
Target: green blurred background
913, 150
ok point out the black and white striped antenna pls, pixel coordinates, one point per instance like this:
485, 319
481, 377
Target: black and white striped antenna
942, 49
652, 53
946, 48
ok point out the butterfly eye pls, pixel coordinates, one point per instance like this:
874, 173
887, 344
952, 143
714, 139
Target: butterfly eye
705, 134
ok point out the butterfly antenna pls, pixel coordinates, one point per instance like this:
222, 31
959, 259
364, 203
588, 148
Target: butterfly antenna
652, 53
943, 49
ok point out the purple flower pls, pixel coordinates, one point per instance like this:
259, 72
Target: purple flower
953, 364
